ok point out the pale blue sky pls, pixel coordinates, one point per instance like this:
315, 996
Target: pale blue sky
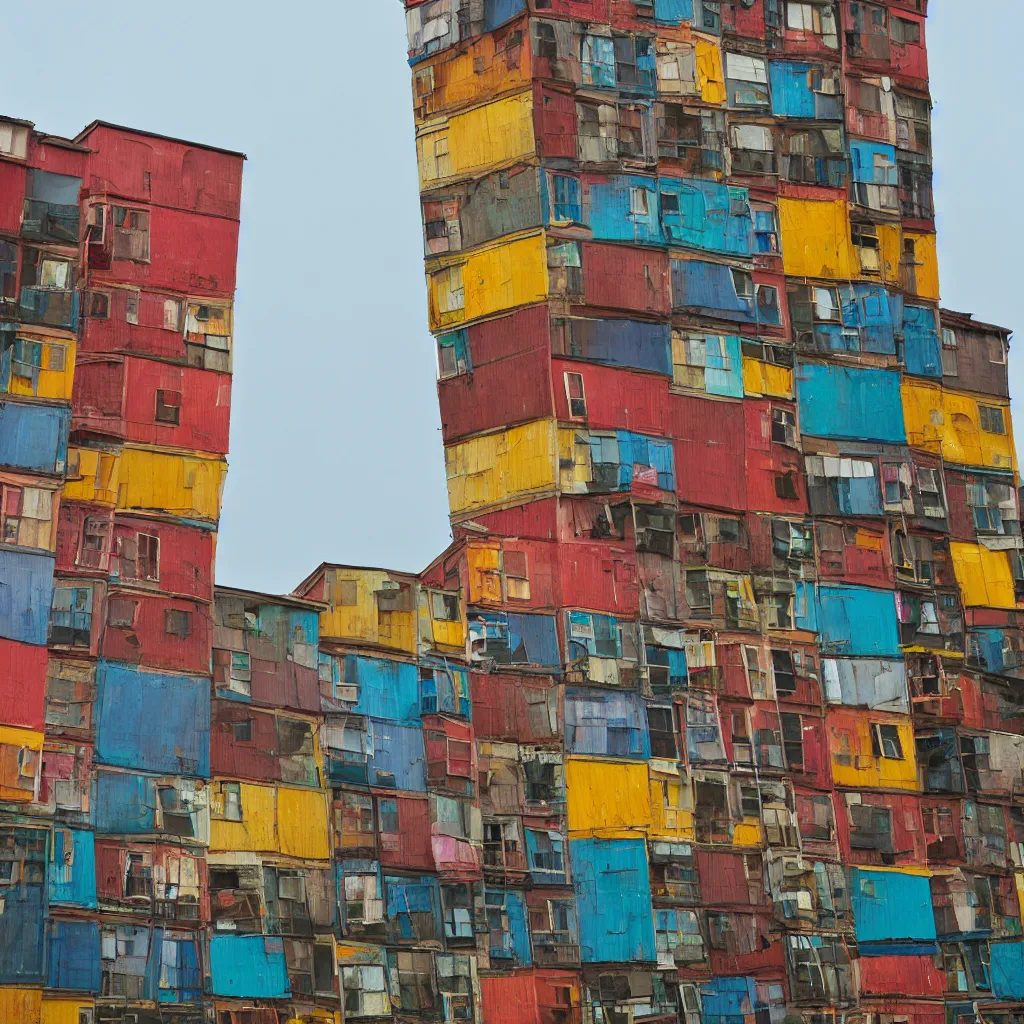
335, 442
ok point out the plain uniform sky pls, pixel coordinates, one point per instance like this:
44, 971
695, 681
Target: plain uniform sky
335, 436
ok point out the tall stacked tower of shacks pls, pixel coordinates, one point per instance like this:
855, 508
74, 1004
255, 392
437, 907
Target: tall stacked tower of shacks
735, 516
711, 711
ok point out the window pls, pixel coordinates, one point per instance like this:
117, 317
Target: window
121, 612
242, 731
746, 80
344, 594
148, 557
365, 990
663, 737
517, 579
131, 233
865, 239
904, 32
766, 231
753, 149
783, 427
996, 351
565, 268
449, 290
711, 15
172, 314
639, 205
814, 19
783, 673
168, 407
698, 590
885, 742
131, 307
757, 677
231, 794
545, 44
71, 616
567, 199
177, 622
99, 305
793, 740
575, 394
445, 607
991, 419
785, 487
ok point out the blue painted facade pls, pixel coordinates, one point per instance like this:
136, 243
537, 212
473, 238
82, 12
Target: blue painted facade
130, 735
396, 756
123, 803
922, 350
793, 94
388, 689
858, 622
706, 215
406, 897
26, 593
872, 162
868, 321
849, 402
613, 900
21, 934
606, 723
516, 638
615, 454
673, 12
497, 12
71, 872
1007, 967
891, 907
545, 856
248, 967
729, 1000
507, 924
444, 689
73, 956
711, 289
589, 633
34, 437
627, 343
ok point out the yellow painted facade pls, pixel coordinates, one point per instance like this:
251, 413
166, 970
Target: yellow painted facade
671, 806
854, 764
275, 819
20, 764
710, 75
984, 577
93, 475
21, 1005
490, 280
54, 373
436, 631
948, 423
476, 141
63, 1011
354, 611
816, 239
183, 485
474, 73
761, 378
607, 799
494, 468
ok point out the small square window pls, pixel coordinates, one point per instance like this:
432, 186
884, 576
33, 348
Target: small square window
242, 731
346, 594
991, 419
231, 793
121, 613
168, 407
177, 622
99, 305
